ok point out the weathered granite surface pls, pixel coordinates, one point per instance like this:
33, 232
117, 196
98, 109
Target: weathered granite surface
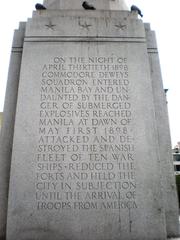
84, 162
7, 131
173, 238
165, 152
91, 158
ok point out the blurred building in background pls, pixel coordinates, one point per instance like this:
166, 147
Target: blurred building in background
176, 162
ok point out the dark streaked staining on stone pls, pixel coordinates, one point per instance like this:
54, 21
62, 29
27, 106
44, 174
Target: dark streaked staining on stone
136, 9
130, 221
88, 6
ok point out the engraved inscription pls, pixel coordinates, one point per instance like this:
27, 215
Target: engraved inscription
85, 152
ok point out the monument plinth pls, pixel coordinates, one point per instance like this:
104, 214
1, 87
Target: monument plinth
86, 160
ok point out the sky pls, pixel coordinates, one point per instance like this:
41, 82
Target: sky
164, 19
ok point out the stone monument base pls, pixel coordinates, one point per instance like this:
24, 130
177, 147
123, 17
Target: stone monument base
87, 158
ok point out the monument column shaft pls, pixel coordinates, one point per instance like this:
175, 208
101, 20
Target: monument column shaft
77, 4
